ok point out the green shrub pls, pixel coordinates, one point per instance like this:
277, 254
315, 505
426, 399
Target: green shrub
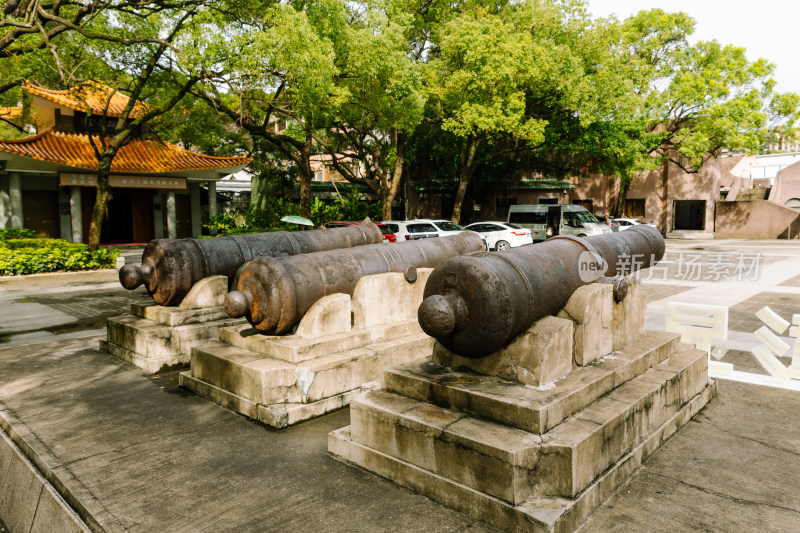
16, 233
269, 219
31, 256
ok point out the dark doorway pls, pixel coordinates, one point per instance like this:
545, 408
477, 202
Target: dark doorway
40, 213
553, 221
128, 217
689, 214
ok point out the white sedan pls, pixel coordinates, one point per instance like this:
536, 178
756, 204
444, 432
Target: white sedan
501, 235
627, 223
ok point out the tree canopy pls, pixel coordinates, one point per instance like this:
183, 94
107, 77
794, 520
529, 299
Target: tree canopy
460, 91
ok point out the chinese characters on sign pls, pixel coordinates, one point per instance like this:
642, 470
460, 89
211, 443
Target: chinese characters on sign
72, 179
694, 267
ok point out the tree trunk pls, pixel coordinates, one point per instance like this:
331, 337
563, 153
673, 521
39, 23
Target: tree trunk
305, 174
624, 185
465, 171
397, 177
101, 201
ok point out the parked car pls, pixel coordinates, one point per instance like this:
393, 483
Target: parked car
627, 223
549, 220
608, 221
388, 235
411, 230
501, 235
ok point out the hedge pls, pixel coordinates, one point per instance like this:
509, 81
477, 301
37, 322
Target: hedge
31, 256
16, 233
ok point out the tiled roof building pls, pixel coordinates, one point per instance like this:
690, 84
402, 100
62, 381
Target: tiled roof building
48, 180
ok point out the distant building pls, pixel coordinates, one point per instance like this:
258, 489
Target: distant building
48, 180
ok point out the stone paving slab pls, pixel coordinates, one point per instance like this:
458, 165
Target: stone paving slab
157, 458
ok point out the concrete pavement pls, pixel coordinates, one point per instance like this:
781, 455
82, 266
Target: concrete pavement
131, 452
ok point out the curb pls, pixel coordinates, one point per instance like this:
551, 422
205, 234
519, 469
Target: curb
28, 502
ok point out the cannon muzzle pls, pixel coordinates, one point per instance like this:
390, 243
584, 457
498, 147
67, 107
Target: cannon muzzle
475, 304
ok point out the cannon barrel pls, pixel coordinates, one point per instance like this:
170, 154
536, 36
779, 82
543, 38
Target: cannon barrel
474, 305
275, 292
170, 267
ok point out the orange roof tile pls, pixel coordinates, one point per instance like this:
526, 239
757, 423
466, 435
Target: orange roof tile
89, 95
10, 113
138, 156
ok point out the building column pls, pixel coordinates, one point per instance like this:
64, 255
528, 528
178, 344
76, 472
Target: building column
158, 214
15, 195
76, 214
5, 202
196, 216
172, 217
212, 201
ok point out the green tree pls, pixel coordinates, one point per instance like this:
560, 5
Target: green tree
697, 100
382, 103
275, 68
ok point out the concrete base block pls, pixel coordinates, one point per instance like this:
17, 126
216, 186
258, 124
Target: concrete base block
525, 458
385, 298
536, 410
156, 347
176, 316
590, 308
278, 392
279, 415
629, 316
540, 355
539, 515
208, 292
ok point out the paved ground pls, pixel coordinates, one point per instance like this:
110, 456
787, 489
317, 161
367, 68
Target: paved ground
144, 455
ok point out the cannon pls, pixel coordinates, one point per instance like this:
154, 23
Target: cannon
475, 304
171, 266
275, 292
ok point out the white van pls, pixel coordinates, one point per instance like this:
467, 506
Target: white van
548, 220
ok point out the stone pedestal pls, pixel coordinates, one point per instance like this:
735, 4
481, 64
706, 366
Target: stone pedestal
157, 338
340, 344
478, 437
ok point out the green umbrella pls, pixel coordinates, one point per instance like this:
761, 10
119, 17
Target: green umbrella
294, 219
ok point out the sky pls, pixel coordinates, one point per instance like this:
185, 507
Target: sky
765, 27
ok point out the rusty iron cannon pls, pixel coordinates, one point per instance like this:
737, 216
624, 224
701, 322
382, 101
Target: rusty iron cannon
475, 304
171, 266
275, 292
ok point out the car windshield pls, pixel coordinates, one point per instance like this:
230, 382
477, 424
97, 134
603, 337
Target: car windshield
448, 226
585, 216
384, 229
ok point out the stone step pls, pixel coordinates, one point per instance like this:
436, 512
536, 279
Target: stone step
577, 451
177, 316
532, 409
267, 380
537, 515
140, 335
516, 465
292, 348
152, 339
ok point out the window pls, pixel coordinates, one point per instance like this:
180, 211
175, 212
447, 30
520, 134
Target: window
548, 201
394, 228
528, 217
586, 204
634, 208
420, 228
448, 226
